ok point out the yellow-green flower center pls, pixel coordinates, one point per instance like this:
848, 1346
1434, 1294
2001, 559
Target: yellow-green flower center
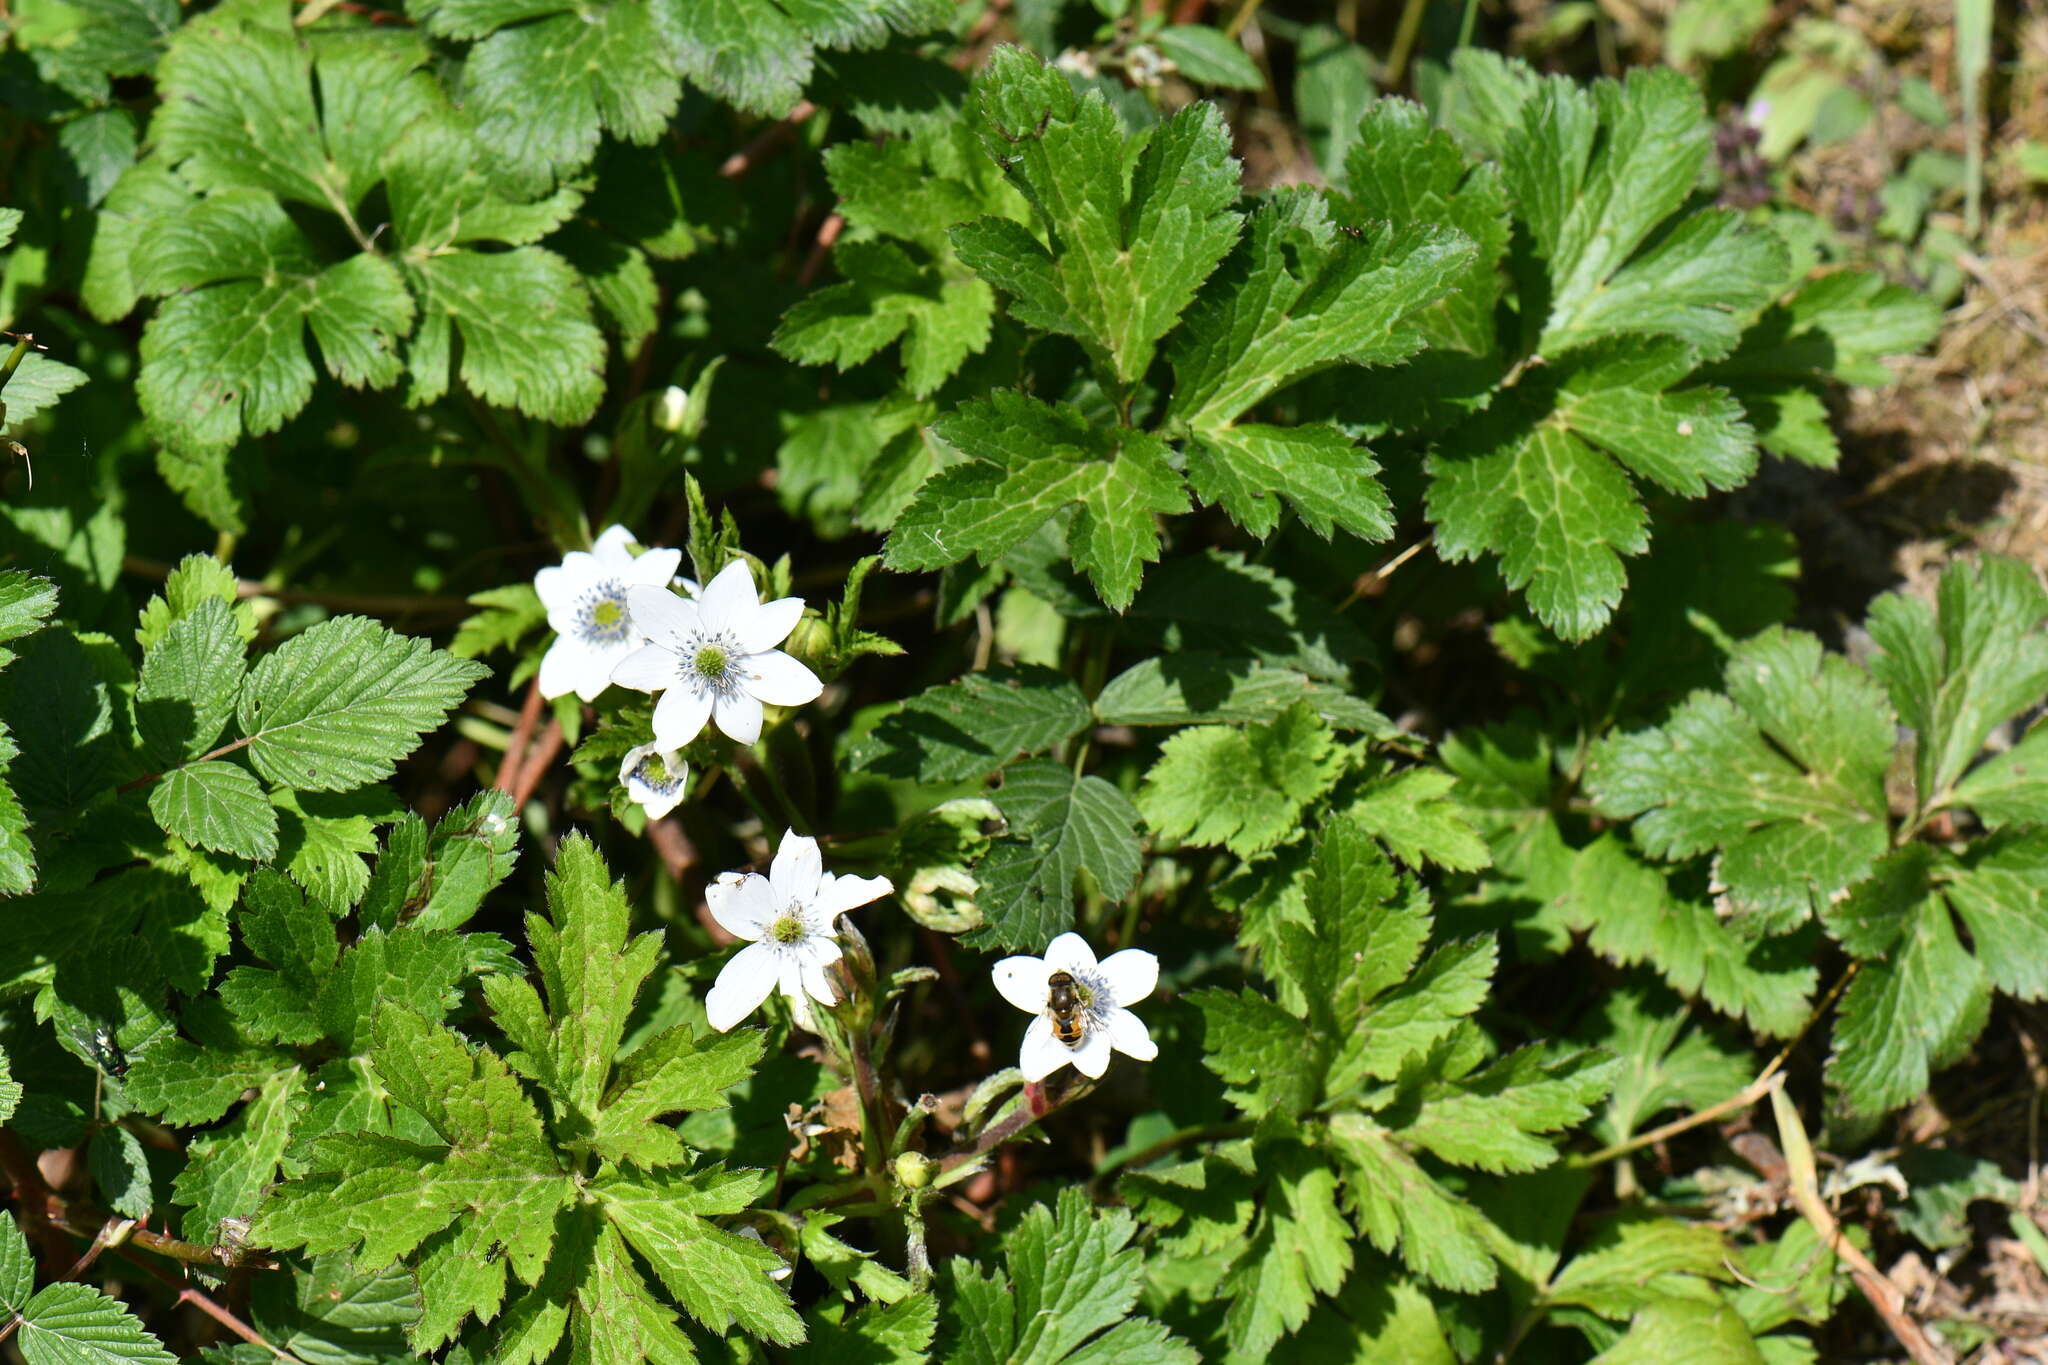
712, 662
606, 614
787, 929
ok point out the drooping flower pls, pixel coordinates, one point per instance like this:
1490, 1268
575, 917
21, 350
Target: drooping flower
1079, 1007
714, 657
585, 596
788, 919
654, 779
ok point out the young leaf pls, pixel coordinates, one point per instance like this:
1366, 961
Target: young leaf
1134, 230
1244, 789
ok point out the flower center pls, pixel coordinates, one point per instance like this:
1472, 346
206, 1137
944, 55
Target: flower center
601, 617
653, 772
787, 929
712, 662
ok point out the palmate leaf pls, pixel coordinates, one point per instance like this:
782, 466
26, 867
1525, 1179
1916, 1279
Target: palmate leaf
888, 294
1134, 228
1956, 671
1783, 777
1921, 996
1542, 478
1296, 296
1029, 461
1244, 789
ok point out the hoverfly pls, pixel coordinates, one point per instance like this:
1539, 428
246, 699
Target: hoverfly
1063, 998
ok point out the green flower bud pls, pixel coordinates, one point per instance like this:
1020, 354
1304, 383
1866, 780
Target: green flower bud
914, 1170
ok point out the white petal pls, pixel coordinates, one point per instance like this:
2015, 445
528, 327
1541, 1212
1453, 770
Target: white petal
739, 715
1042, 1054
729, 601
632, 761
796, 869
561, 667
1127, 1034
1092, 1057
837, 895
1070, 953
650, 668
1021, 981
819, 954
770, 624
742, 903
658, 805
680, 715
655, 568
592, 673
742, 985
661, 616
1131, 973
611, 549
554, 588
779, 680
690, 586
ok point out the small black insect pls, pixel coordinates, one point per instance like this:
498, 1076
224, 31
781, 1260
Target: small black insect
1063, 998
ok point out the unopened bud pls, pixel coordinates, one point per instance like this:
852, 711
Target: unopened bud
672, 408
913, 1170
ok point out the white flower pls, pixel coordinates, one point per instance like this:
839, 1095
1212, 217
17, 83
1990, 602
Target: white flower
787, 919
715, 657
1146, 64
671, 408
654, 779
586, 600
1100, 994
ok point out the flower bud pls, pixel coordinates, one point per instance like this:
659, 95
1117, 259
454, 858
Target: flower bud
671, 408
913, 1170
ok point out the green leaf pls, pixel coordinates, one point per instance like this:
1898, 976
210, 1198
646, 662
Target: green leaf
1684, 1332
897, 1333
1298, 295
1665, 1062
216, 805
1190, 687
1300, 1247
1069, 1284
226, 352
75, 1324
25, 602
1956, 671
1029, 460
1209, 57
719, 1277
323, 837
1133, 230
186, 692
1060, 825
1919, 999
37, 384
2012, 786
509, 614
969, 728
197, 579
757, 54
1401, 170
333, 1314
1594, 172
339, 705
1399, 1205
17, 1268
887, 294
439, 880
1244, 789
416, 967
230, 1169
527, 337
1495, 1119
1784, 777
672, 1073
120, 1171
1415, 815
